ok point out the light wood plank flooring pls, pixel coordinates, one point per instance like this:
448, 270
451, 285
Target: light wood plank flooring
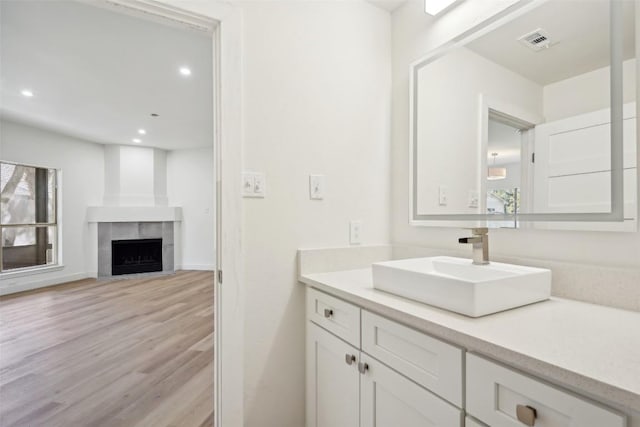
133, 352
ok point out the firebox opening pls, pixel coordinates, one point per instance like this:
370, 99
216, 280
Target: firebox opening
136, 256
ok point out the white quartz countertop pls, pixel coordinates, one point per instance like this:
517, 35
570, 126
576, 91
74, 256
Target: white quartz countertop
590, 349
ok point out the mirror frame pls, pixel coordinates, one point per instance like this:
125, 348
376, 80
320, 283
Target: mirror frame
617, 154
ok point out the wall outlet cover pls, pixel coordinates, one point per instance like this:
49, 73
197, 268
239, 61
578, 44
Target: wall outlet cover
355, 232
443, 195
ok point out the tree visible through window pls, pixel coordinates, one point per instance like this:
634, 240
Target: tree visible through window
28, 221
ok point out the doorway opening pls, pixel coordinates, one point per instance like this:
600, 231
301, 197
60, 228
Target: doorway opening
507, 168
506, 161
121, 100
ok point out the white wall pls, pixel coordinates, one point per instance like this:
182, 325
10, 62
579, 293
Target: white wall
190, 184
317, 101
587, 92
82, 165
412, 38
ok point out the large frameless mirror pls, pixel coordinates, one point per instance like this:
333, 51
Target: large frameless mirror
529, 117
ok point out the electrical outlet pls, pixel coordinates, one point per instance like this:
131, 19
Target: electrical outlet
474, 198
316, 187
355, 232
442, 195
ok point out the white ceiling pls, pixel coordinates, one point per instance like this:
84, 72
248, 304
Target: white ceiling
580, 29
389, 5
99, 75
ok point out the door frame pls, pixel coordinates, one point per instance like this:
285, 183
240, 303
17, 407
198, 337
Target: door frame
224, 22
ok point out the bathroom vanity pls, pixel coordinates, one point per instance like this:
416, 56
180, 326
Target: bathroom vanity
376, 359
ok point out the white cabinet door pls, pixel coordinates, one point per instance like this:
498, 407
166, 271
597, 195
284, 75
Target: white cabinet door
390, 400
433, 364
333, 388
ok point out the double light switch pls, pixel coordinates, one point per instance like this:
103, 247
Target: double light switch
253, 184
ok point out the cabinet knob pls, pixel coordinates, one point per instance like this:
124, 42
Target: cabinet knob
363, 367
328, 313
349, 358
526, 415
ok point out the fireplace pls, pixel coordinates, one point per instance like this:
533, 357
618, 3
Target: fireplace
136, 256
112, 235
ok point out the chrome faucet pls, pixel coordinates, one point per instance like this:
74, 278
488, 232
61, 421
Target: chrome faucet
480, 241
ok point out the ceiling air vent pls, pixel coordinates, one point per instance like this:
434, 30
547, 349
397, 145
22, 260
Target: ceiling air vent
536, 40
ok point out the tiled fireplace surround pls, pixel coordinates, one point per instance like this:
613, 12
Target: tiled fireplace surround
108, 231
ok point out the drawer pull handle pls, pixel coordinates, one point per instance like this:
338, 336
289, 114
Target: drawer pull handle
328, 313
349, 358
363, 368
526, 415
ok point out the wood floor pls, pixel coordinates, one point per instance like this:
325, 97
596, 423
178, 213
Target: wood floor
135, 352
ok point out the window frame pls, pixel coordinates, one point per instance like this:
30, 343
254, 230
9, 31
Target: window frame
56, 246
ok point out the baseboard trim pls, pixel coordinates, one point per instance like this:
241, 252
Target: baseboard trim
202, 267
37, 284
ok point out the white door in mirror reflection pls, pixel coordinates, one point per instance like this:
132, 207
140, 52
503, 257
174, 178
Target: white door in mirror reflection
572, 172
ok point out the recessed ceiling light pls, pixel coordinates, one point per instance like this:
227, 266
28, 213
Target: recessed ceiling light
137, 140
27, 92
185, 71
434, 7
142, 131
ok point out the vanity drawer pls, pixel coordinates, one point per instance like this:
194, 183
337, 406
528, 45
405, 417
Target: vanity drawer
429, 362
494, 393
336, 316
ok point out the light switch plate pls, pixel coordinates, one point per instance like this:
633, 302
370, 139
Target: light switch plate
316, 187
254, 184
355, 232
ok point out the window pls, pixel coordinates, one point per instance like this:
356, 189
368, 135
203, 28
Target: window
29, 220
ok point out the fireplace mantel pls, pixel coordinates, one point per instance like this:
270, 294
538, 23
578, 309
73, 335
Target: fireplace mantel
133, 214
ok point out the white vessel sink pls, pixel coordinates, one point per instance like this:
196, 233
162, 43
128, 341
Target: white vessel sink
456, 284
